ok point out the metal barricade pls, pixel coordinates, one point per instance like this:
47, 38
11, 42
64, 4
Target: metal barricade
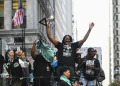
15, 81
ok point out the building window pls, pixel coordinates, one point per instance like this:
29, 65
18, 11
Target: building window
116, 9
1, 22
117, 70
116, 17
24, 4
15, 4
117, 55
117, 62
1, 4
116, 32
116, 2
117, 47
116, 25
117, 40
18, 39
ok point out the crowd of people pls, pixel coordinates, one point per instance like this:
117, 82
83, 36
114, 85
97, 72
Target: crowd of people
68, 69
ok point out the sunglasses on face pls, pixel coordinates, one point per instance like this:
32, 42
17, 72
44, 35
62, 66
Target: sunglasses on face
92, 51
67, 38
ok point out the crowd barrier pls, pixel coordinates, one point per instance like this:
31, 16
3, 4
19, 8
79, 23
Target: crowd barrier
53, 80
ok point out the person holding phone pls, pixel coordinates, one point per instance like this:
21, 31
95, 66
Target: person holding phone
25, 68
91, 68
12, 69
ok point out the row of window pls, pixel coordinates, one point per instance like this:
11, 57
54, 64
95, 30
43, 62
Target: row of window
116, 3
15, 4
116, 17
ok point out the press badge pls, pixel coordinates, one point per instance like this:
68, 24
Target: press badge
47, 68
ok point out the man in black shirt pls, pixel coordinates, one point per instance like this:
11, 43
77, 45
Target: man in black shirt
91, 68
42, 68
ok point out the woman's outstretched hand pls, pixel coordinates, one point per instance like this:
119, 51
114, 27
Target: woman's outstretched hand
91, 25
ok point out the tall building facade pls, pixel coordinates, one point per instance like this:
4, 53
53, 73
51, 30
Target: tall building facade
34, 11
116, 38
63, 18
74, 24
111, 53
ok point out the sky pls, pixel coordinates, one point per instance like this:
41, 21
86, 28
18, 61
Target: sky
96, 11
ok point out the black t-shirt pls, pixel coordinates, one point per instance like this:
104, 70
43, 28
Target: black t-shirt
41, 66
66, 54
96, 64
63, 83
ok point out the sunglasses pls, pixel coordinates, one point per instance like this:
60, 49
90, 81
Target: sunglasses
67, 38
92, 51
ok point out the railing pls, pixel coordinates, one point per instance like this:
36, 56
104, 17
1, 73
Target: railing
16, 81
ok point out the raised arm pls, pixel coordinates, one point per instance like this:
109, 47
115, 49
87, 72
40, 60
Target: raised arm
33, 50
80, 65
55, 42
87, 34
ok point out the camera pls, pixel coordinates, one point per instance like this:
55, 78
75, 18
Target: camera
75, 79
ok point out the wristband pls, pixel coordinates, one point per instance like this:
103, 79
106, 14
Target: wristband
47, 26
89, 30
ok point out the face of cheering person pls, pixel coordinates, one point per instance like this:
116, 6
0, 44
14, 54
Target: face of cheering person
11, 54
67, 40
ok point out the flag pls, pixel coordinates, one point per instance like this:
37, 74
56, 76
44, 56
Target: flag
18, 17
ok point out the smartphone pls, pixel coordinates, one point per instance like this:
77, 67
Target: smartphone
92, 23
18, 48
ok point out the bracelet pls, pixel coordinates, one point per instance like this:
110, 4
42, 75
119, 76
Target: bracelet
47, 26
